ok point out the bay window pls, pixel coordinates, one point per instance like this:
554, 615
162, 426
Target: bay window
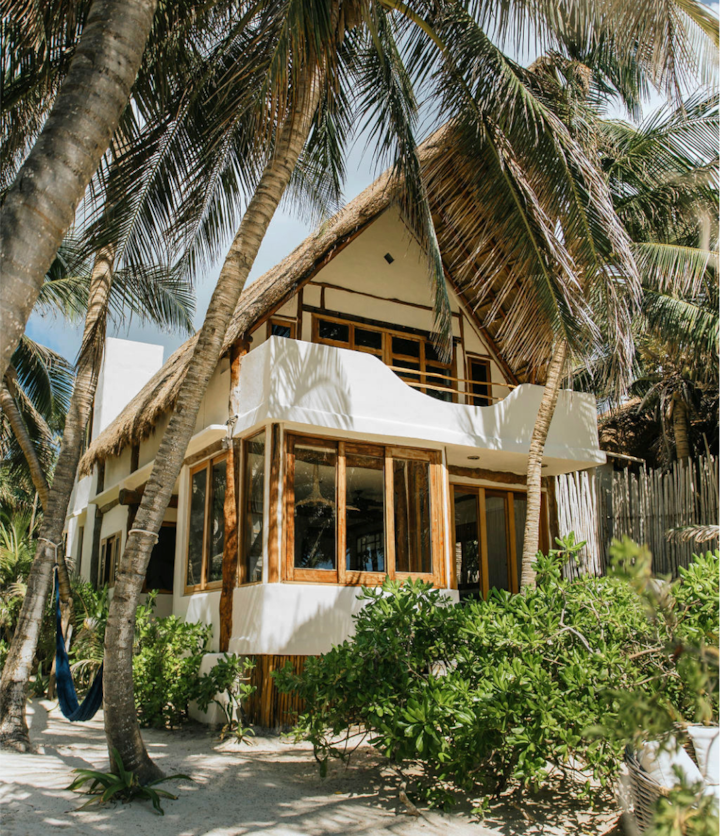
206, 525
355, 513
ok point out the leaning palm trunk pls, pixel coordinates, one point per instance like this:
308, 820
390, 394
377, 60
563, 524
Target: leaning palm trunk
121, 726
18, 665
20, 431
681, 427
41, 204
531, 542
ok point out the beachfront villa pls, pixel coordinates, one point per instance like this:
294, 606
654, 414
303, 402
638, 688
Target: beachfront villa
335, 445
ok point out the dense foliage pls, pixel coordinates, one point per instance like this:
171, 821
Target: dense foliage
508, 690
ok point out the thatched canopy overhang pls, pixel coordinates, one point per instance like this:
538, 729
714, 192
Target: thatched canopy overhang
478, 267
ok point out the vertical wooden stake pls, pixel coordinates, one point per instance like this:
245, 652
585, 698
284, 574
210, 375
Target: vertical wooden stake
230, 510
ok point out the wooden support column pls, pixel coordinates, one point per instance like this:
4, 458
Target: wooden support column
95, 548
273, 549
231, 550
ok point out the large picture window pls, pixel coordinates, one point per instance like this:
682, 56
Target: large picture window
355, 513
489, 528
206, 525
253, 503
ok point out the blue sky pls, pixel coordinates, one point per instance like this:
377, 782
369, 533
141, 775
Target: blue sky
286, 231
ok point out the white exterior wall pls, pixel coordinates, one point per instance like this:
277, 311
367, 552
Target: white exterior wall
336, 392
349, 393
127, 367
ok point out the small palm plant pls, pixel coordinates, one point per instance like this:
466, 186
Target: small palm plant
124, 785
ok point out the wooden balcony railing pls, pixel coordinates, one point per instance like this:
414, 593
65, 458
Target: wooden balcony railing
476, 390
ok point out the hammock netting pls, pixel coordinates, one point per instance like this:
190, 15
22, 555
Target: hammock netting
74, 711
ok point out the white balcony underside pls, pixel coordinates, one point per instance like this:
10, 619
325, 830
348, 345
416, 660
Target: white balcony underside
347, 393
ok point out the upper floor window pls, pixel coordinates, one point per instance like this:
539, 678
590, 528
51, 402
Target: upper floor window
206, 525
281, 327
412, 357
357, 512
479, 381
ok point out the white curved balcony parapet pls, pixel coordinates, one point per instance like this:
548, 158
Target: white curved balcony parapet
349, 393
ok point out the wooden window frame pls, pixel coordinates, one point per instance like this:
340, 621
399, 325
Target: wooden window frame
341, 576
386, 354
116, 540
481, 491
486, 360
242, 494
204, 585
286, 322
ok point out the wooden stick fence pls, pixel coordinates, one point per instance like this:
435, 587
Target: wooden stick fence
601, 505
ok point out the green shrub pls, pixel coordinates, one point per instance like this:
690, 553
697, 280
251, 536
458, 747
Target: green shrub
166, 666
508, 689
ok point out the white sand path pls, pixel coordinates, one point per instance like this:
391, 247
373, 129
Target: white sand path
271, 788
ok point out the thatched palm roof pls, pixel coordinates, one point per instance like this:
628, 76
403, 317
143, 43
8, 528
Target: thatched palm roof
463, 242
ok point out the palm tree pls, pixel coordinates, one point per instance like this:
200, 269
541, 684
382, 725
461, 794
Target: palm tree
68, 69
663, 176
40, 205
466, 62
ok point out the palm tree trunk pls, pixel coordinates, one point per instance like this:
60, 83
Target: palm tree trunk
41, 204
681, 428
18, 665
531, 543
20, 431
121, 726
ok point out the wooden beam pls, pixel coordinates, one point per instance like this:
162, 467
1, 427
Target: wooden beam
211, 450
502, 476
230, 510
109, 506
393, 299
126, 496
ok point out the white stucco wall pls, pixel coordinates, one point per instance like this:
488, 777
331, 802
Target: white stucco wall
354, 394
127, 367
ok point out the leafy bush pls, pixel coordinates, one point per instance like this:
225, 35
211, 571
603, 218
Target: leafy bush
228, 686
166, 666
508, 689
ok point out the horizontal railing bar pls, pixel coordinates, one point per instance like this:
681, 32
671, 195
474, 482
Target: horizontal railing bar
417, 385
488, 383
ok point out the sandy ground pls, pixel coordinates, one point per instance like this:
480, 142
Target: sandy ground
271, 788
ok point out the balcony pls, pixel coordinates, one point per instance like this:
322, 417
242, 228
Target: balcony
335, 391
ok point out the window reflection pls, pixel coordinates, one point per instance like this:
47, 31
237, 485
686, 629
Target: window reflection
315, 507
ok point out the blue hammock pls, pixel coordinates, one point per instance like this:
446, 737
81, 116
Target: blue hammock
74, 711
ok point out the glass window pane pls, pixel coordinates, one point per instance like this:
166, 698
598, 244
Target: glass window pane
368, 339
365, 514
198, 486
408, 347
411, 488
254, 501
217, 521
520, 509
467, 544
496, 541
480, 375
315, 508
439, 381
407, 364
162, 561
431, 354
335, 331
277, 329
